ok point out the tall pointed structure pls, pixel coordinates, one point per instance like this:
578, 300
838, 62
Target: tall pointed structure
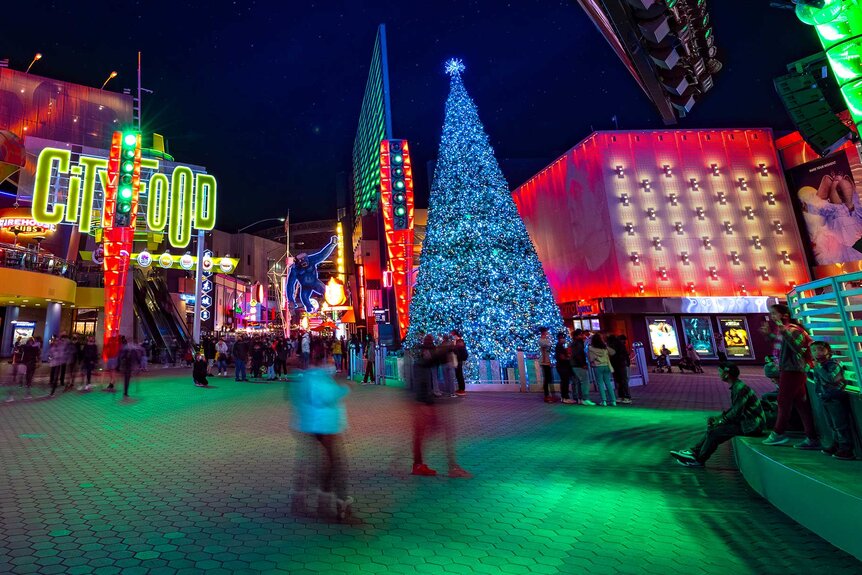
478, 272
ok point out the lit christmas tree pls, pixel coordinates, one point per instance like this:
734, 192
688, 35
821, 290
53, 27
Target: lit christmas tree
478, 272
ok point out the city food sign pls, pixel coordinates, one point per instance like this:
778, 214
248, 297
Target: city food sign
179, 202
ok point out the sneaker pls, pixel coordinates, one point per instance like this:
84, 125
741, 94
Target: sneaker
689, 463
199, 385
549, 399
587, 402
683, 455
809, 445
459, 473
626, 400
568, 401
422, 469
88, 387
604, 404
110, 388
775, 439
831, 450
844, 455
613, 404
453, 395
28, 396
343, 507
10, 399
461, 393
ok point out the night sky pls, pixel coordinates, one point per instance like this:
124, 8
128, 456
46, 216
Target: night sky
267, 94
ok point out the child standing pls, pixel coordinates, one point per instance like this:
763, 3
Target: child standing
829, 386
199, 371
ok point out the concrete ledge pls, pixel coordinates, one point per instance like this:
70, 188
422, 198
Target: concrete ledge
818, 492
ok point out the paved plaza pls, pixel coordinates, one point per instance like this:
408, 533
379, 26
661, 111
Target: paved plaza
186, 480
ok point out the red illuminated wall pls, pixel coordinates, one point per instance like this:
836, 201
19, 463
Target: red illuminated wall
720, 237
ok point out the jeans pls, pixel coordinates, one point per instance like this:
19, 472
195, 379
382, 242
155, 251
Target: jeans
581, 383
793, 395
336, 359
714, 437
621, 379
17, 370
270, 372
239, 370
312, 472
837, 412
547, 379
565, 371
369, 372
603, 382
448, 379
306, 356
58, 374
222, 366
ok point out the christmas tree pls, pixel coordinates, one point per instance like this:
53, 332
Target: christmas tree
478, 272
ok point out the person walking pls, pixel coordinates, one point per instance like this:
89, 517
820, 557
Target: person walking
336, 354
599, 357
580, 371
89, 360
30, 354
305, 348
564, 367
545, 364
320, 420
127, 362
620, 363
369, 362
240, 356
221, 357
58, 358
426, 415
18, 368
793, 361
461, 355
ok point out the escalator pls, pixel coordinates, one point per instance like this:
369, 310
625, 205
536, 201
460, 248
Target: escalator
159, 316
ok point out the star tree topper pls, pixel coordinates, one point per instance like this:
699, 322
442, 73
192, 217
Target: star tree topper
454, 66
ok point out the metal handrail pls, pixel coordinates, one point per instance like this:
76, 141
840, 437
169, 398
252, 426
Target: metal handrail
39, 261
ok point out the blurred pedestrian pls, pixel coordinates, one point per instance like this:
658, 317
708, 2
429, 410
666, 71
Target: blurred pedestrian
580, 373
461, 355
58, 358
599, 357
564, 367
545, 364
620, 364
127, 362
320, 418
89, 360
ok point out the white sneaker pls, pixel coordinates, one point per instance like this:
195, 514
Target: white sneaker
568, 401
343, 508
587, 402
10, 399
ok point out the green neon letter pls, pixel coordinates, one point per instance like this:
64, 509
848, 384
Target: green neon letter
180, 225
205, 201
42, 185
157, 204
91, 166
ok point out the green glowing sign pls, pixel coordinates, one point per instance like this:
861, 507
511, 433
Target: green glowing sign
179, 202
839, 25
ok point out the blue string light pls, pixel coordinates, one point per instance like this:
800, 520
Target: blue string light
479, 272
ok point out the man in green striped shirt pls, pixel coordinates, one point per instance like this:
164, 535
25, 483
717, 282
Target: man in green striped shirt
743, 417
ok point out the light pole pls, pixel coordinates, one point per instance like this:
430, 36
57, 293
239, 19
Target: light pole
239, 231
110, 77
38, 56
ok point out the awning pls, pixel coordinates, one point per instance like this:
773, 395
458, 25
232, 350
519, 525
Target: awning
348, 317
12, 154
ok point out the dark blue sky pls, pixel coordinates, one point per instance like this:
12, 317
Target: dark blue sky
266, 94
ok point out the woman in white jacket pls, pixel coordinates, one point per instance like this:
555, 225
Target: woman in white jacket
599, 356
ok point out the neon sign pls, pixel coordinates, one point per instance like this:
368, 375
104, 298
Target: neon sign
183, 201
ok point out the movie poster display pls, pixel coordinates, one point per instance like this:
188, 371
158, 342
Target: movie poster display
737, 338
662, 332
824, 193
698, 332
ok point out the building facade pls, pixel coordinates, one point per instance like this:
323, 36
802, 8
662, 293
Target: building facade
632, 226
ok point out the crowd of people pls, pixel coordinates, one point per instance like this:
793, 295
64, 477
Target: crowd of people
606, 356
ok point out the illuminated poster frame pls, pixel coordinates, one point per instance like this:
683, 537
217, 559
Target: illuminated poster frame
708, 323
655, 346
747, 351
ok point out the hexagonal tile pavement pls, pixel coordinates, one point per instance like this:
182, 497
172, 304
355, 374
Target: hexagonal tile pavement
181, 480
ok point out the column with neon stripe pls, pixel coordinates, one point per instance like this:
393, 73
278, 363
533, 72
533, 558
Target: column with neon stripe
118, 222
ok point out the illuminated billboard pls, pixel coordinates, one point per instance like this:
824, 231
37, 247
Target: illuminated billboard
737, 338
698, 333
662, 333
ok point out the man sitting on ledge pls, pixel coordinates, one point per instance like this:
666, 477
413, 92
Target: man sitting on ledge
744, 417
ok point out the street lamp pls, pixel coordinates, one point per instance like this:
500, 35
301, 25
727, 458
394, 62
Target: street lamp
239, 231
38, 56
110, 77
